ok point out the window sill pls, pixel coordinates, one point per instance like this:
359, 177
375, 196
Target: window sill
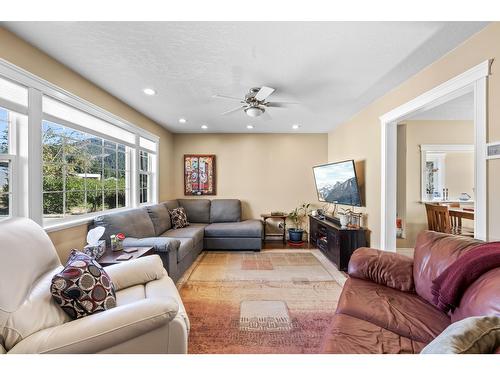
54, 225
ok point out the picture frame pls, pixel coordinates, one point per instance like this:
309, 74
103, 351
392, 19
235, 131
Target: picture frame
199, 174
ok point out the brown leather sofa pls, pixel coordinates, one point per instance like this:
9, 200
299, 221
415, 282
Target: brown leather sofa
386, 304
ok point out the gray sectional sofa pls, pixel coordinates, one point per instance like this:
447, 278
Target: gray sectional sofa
213, 225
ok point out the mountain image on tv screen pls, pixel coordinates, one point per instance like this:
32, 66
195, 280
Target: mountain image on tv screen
337, 183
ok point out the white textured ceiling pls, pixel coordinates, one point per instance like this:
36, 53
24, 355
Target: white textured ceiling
461, 108
333, 69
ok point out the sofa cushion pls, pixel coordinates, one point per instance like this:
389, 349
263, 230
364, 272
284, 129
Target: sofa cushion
434, 252
179, 218
82, 287
193, 231
480, 298
474, 335
160, 217
133, 223
171, 204
247, 228
225, 210
350, 335
403, 313
160, 244
197, 210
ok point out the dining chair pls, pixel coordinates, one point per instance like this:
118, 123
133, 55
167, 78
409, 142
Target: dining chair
440, 220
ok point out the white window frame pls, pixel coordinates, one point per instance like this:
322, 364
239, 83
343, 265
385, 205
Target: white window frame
28, 187
12, 157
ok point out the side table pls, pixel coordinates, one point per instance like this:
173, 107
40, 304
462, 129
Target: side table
109, 256
281, 217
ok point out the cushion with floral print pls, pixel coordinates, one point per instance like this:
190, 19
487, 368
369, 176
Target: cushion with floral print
179, 218
83, 287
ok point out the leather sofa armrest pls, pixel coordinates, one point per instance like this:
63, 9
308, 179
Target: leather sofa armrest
382, 267
136, 272
95, 333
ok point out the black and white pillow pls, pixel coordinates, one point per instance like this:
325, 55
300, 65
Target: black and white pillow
179, 218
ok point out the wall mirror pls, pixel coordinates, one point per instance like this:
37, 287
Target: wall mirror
447, 173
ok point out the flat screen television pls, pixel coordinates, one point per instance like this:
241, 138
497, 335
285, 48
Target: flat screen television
337, 183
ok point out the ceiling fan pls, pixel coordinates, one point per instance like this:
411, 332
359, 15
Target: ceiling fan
255, 102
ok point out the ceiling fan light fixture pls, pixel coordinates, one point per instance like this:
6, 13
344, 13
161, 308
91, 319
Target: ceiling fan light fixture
254, 111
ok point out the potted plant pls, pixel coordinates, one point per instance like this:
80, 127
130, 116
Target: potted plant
298, 216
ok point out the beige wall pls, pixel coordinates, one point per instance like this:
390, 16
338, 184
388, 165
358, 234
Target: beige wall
268, 172
24, 55
359, 138
433, 132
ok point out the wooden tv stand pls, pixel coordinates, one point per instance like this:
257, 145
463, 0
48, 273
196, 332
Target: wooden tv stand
335, 242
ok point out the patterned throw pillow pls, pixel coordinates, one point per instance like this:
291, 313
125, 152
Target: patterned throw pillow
83, 287
179, 218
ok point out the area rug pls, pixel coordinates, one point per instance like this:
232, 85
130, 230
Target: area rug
278, 301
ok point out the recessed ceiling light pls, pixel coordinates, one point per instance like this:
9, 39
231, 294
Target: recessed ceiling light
149, 91
296, 126
204, 127
182, 120
249, 126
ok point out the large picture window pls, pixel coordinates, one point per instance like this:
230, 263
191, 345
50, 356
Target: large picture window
64, 160
82, 173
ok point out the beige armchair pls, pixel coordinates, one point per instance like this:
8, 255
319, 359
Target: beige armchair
149, 317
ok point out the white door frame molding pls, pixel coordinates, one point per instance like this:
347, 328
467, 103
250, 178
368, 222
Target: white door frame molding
473, 80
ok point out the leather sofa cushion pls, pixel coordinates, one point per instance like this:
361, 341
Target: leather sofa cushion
160, 217
405, 314
197, 210
193, 231
434, 252
482, 297
225, 210
247, 228
382, 267
133, 223
350, 335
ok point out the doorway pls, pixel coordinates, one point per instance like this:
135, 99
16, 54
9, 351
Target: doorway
472, 81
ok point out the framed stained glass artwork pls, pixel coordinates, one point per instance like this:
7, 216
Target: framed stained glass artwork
199, 175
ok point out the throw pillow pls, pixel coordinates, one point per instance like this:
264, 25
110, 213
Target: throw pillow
83, 287
179, 218
474, 335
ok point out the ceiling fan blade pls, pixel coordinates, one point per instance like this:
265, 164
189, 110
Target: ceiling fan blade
264, 92
227, 97
233, 110
279, 104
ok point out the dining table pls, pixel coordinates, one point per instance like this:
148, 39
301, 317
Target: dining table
461, 212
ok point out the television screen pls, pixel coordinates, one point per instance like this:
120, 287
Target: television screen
337, 183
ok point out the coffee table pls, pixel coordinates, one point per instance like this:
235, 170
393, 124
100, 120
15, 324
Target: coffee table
109, 257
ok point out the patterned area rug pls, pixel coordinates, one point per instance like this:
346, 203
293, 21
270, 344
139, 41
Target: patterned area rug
276, 301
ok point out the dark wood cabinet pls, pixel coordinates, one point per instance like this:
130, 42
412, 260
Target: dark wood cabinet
335, 242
